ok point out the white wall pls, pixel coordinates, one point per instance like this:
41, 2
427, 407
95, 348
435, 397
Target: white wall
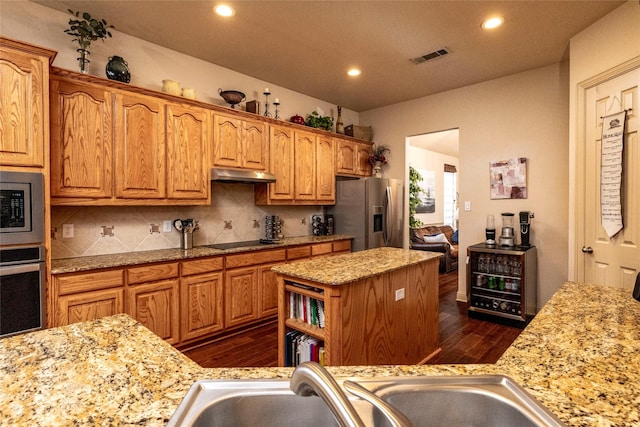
609, 42
149, 63
426, 160
523, 115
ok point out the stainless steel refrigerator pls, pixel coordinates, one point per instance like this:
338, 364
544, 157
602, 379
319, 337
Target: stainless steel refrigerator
372, 210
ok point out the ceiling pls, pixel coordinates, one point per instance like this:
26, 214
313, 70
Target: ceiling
307, 46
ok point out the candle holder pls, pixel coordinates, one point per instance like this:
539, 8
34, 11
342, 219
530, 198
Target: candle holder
266, 94
276, 103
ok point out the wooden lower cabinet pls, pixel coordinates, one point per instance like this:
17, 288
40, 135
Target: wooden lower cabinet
240, 296
79, 297
155, 305
267, 292
201, 298
152, 299
86, 306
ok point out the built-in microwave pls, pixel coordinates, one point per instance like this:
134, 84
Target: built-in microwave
21, 208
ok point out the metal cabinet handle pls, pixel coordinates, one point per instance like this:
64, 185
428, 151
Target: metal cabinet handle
587, 250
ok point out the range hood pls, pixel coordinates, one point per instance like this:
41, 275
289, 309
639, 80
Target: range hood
241, 176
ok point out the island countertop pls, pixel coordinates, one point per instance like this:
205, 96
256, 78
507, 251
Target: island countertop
346, 268
579, 357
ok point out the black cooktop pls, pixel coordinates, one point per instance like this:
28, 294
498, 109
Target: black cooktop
233, 245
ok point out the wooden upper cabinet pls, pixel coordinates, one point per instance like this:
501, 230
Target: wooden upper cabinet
81, 140
227, 137
305, 165
240, 143
140, 147
281, 164
352, 157
24, 116
187, 162
255, 145
363, 167
345, 157
326, 169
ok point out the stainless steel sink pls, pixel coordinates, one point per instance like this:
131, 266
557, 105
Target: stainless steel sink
488, 400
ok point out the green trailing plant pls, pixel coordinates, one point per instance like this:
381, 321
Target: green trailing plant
315, 120
85, 29
414, 196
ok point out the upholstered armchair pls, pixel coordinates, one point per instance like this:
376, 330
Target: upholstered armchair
437, 238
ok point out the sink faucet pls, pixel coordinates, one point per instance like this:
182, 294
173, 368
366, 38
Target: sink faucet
395, 417
309, 379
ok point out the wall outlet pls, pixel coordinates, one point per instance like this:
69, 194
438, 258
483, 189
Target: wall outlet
166, 226
399, 294
67, 231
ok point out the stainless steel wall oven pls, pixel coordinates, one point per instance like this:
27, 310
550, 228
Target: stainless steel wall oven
22, 290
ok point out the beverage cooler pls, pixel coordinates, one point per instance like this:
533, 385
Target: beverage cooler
502, 283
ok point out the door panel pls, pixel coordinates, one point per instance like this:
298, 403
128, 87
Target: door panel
614, 261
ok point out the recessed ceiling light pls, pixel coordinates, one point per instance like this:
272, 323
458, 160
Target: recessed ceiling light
354, 72
492, 23
224, 10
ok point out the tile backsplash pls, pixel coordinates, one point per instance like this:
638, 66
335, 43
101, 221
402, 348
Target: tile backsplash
232, 216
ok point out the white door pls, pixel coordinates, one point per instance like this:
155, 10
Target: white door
612, 261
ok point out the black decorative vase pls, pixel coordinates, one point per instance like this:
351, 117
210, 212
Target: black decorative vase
117, 69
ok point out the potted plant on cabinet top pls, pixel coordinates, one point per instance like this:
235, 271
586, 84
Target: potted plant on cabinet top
86, 29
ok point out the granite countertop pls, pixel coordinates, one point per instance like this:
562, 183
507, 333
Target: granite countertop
579, 357
342, 269
83, 263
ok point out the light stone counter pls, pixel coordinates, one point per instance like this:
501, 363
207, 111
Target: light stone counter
579, 357
346, 268
83, 263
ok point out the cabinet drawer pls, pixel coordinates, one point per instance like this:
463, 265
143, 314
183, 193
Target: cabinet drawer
321, 249
82, 282
151, 273
255, 258
205, 265
342, 246
298, 252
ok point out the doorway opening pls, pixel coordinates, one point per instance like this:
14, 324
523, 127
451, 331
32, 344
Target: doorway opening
435, 156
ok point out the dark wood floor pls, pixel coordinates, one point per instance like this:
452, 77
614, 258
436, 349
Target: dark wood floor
463, 339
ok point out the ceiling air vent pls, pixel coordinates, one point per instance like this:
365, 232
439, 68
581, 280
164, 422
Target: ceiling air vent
431, 55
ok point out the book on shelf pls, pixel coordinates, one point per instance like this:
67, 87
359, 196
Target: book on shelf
306, 309
300, 348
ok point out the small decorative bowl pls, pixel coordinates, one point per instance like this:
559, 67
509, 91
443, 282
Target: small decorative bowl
232, 97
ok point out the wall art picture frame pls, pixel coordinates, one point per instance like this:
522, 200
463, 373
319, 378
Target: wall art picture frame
508, 178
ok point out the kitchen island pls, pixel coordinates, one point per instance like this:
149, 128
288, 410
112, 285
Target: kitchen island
578, 357
377, 307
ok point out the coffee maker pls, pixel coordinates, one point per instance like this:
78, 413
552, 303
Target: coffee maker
525, 228
507, 236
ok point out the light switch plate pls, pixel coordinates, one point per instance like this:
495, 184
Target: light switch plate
399, 294
166, 226
467, 206
67, 231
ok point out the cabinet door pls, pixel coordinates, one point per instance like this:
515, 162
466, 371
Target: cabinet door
140, 147
155, 305
24, 112
240, 296
255, 145
305, 166
267, 291
346, 157
227, 141
187, 163
326, 170
281, 157
363, 166
201, 305
89, 306
81, 140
